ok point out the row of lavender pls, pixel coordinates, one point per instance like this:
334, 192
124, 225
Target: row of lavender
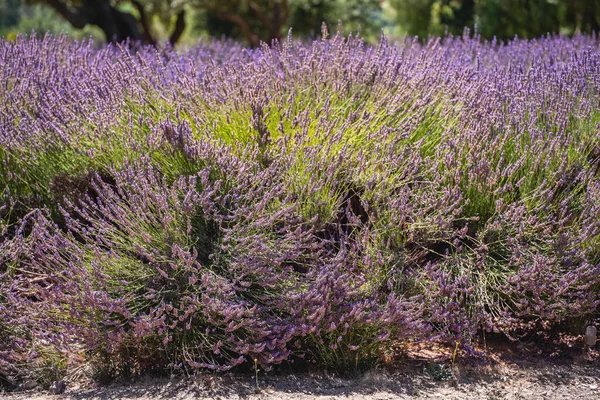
213, 206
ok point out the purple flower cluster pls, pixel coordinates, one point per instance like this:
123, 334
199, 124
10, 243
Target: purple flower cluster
207, 207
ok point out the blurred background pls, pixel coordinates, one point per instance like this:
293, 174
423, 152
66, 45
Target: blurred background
253, 21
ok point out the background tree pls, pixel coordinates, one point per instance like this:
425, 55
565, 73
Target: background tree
253, 20
9, 14
121, 20
433, 17
366, 16
265, 20
501, 18
19, 17
535, 18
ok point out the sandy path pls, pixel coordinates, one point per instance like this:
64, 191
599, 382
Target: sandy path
511, 372
539, 380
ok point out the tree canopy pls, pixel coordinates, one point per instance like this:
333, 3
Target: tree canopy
250, 20
499, 18
255, 21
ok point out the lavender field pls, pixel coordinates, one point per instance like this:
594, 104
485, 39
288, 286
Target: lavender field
307, 202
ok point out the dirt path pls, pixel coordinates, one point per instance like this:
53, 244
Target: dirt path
535, 382
510, 377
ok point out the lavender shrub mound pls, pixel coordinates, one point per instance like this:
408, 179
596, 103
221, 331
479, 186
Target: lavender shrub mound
210, 207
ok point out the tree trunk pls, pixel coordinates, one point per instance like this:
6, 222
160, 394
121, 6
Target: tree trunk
116, 25
179, 28
243, 25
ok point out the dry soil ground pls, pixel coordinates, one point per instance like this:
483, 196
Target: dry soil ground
513, 372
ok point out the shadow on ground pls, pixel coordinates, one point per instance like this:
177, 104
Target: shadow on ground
519, 370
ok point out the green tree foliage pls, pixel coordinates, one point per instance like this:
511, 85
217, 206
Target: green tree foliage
9, 14
17, 17
253, 20
365, 16
433, 17
250, 20
501, 18
122, 19
507, 18
265, 20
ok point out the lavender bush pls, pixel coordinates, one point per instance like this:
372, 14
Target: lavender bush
207, 207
